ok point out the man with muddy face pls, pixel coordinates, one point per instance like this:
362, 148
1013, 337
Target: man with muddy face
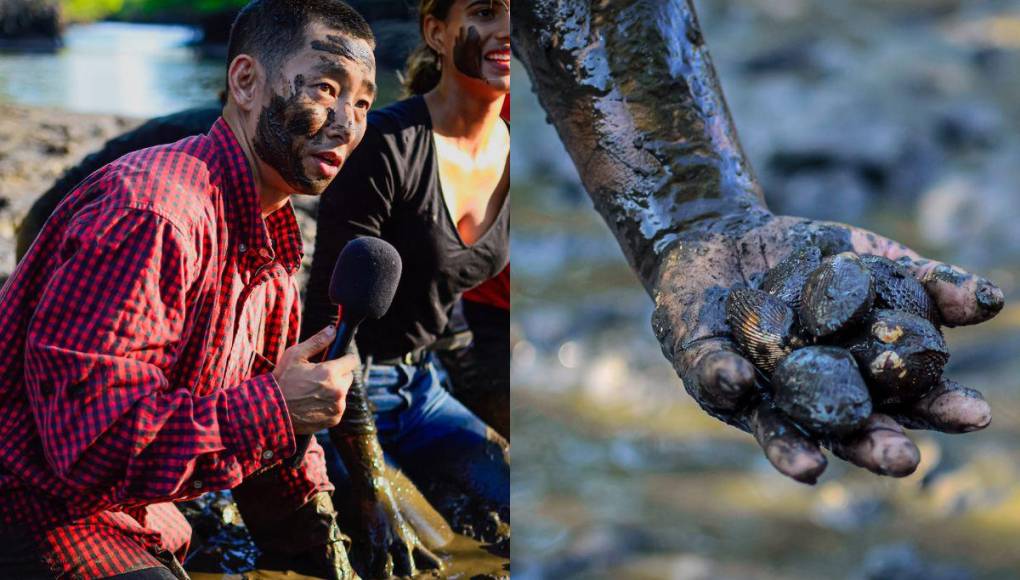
172, 326
304, 118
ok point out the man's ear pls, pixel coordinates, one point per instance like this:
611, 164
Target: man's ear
244, 80
433, 31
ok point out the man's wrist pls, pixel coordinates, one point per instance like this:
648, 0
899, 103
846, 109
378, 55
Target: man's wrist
256, 422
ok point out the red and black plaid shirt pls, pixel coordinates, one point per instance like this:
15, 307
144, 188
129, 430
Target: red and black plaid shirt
136, 340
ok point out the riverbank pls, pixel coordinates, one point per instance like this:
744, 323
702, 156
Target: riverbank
37, 145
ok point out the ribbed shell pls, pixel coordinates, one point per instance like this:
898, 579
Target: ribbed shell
901, 356
786, 280
896, 289
836, 294
763, 327
820, 387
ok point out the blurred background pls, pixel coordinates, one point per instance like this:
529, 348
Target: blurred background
897, 115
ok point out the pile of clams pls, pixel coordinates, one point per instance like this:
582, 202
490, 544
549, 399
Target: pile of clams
836, 336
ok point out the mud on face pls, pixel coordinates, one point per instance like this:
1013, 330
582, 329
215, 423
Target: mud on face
286, 126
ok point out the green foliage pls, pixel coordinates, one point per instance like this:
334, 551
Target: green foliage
85, 10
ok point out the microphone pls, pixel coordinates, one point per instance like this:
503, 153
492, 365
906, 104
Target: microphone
363, 284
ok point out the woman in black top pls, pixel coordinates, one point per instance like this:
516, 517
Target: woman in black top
430, 177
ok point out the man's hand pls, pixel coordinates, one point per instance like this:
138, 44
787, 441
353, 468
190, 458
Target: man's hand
690, 321
316, 393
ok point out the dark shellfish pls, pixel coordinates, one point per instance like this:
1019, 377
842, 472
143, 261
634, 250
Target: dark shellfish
786, 280
896, 289
820, 387
763, 326
901, 355
837, 293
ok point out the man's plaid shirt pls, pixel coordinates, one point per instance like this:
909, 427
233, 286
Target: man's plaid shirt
136, 342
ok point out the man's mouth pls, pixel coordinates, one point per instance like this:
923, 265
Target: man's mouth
329, 158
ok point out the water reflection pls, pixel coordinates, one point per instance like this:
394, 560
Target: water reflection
137, 70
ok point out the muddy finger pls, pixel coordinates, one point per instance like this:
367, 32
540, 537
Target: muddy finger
962, 298
880, 446
718, 377
790, 451
951, 408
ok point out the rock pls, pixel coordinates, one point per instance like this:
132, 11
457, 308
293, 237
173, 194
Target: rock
30, 25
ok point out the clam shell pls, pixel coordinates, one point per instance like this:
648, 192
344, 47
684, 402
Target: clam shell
763, 326
820, 387
836, 294
786, 280
896, 289
901, 356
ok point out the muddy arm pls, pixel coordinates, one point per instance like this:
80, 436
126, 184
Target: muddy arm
631, 89
632, 92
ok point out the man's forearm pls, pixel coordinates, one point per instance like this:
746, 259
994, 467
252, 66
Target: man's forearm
631, 90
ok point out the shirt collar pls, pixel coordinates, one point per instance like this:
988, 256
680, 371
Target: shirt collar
260, 241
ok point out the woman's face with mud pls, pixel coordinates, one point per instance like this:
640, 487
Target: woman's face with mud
315, 110
474, 41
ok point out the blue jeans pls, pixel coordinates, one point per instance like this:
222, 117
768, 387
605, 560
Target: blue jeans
442, 447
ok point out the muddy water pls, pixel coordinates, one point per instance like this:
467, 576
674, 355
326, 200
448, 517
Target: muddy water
463, 558
900, 117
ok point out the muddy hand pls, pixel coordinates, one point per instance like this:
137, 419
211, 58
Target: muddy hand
962, 298
690, 292
393, 548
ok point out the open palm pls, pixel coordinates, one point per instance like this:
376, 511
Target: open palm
690, 320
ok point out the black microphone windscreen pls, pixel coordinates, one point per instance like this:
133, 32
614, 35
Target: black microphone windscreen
365, 278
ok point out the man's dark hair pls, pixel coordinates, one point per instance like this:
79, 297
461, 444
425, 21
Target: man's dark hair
272, 30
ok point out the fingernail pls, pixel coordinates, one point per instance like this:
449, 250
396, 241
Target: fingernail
989, 297
330, 331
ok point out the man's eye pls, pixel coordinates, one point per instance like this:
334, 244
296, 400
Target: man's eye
363, 104
327, 89
487, 13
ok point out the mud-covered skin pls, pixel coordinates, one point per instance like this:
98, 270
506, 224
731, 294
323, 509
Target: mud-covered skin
633, 94
821, 389
467, 52
287, 125
344, 47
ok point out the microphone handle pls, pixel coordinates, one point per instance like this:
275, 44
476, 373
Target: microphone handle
341, 342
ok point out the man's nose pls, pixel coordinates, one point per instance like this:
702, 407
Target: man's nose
342, 127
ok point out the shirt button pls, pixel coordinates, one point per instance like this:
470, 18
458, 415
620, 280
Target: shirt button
267, 455
242, 248
197, 485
